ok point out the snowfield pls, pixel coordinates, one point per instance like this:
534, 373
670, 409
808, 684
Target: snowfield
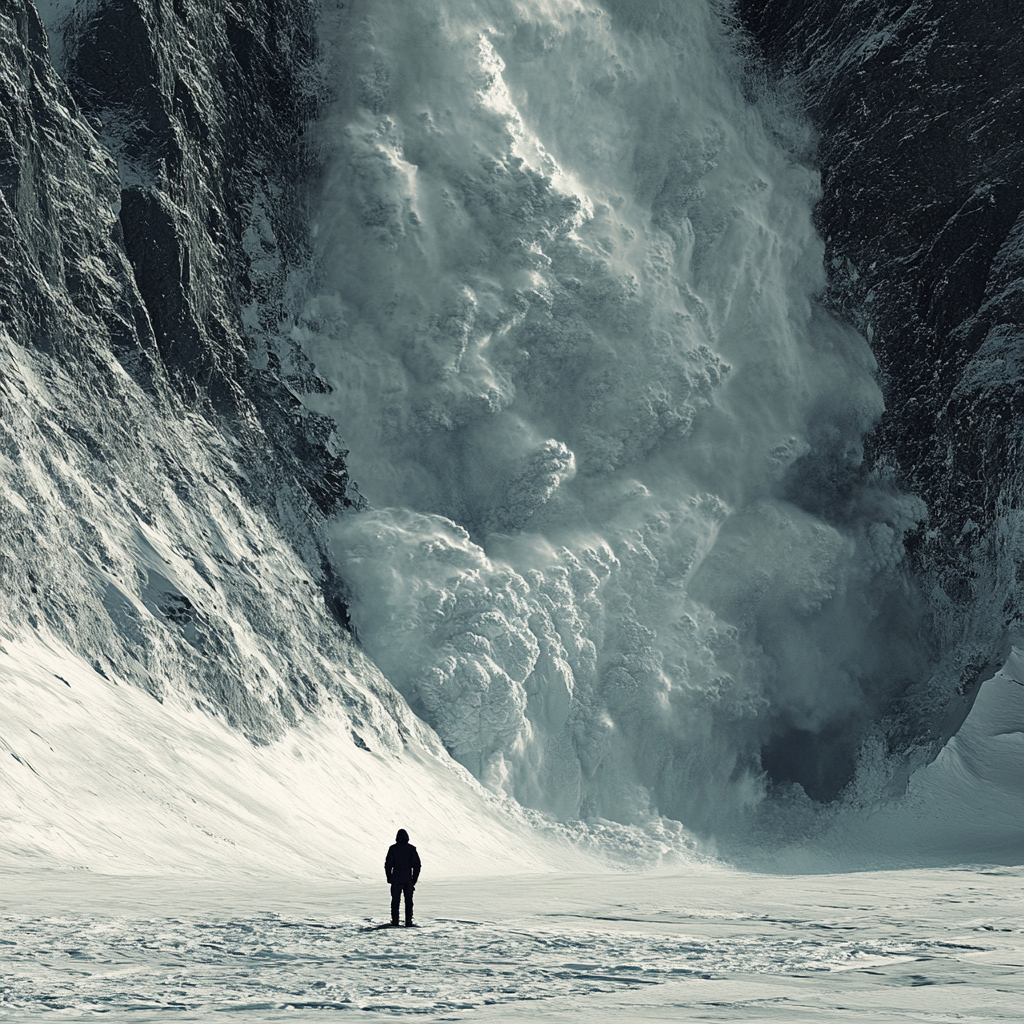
708, 944
158, 866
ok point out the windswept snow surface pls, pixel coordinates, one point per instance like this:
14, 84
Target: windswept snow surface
102, 777
706, 944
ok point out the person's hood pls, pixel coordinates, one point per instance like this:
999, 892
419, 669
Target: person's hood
402, 837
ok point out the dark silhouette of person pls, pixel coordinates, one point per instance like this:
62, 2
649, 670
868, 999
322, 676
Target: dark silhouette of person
402, 867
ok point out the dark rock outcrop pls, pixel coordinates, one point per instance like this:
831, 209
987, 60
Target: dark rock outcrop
204, 106
164, 490
919, 108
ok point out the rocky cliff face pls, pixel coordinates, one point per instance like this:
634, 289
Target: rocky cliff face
203, 107
164, 490
162, 494
919, 108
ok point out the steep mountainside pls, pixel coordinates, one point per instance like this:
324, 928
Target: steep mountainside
162, 498
639, 544
919, 108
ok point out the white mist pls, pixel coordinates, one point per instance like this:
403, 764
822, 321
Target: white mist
567, 303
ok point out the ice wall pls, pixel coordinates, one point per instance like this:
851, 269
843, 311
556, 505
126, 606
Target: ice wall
619, 553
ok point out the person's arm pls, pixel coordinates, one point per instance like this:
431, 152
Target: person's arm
389, 864
415, 866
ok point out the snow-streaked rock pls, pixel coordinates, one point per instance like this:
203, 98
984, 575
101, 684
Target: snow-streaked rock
162, 500
919, 109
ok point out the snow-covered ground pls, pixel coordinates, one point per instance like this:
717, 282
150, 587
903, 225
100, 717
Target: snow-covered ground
155, 860
706, 944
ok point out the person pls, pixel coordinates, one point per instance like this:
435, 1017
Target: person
402, 867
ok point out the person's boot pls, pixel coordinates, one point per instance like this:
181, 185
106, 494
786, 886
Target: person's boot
394, 922
408, 923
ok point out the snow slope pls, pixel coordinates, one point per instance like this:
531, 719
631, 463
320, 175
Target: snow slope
101, 777
968, 802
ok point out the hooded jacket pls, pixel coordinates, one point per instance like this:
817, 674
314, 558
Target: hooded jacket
402, 865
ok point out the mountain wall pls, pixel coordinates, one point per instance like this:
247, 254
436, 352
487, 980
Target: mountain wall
167, 615
918, 105
163, 495
638, 544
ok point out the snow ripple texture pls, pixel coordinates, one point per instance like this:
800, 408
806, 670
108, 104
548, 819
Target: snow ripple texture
617, 541
600, 938
193, 964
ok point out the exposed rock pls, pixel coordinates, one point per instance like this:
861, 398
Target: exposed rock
919, 108
162, 498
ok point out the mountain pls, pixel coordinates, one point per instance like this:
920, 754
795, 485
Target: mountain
678, 360
918, 109
164, 499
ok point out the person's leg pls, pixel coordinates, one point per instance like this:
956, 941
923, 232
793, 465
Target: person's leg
396, 895
408, 902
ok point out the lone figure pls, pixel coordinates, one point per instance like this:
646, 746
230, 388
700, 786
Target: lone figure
402, 867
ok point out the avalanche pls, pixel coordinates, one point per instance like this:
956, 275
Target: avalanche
635, 597
630, 602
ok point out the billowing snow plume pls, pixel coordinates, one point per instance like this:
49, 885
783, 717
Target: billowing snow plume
618, 551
